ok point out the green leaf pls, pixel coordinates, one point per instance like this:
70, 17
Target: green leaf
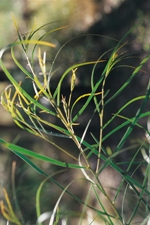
24, 151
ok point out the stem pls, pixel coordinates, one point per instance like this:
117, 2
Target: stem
74, 138
101, 126
100, 186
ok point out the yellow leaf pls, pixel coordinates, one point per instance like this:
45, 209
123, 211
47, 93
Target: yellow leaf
8, 212
83, 96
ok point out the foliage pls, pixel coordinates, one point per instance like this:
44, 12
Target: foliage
27, 112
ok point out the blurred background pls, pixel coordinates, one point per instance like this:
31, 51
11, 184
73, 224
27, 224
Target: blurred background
93, 27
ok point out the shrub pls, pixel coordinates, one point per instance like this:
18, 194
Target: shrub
106, 186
